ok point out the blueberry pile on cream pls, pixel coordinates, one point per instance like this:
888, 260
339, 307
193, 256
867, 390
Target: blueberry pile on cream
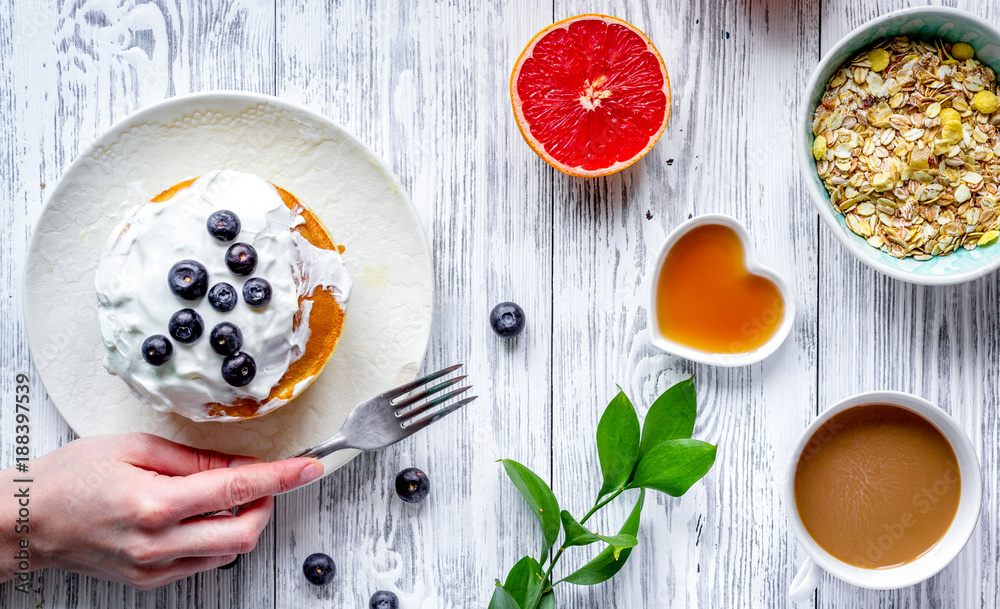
221, 298
188, 279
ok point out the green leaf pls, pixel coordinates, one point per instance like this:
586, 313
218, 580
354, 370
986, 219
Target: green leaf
617, 442
548, 601
671, 417
524, 582
539, 496
502, 600
673, 466
619, 542
605, 565
576, 533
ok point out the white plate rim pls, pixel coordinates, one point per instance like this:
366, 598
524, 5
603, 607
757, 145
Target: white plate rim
148, 114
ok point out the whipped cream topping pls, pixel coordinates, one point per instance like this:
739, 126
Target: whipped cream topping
135, 300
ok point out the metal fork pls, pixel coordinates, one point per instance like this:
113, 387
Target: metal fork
388, 418
393, 416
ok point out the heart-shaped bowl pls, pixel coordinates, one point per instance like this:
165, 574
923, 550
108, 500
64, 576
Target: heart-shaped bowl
927, 23
663, 343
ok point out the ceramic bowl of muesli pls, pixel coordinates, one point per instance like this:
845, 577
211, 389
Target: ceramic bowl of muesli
899, 144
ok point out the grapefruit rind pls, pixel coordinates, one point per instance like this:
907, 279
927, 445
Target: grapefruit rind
524, 127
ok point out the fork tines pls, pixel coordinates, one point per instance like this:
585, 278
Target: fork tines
410, 408
404, 389
416, 425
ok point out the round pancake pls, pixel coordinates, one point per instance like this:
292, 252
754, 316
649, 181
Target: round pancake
326, 318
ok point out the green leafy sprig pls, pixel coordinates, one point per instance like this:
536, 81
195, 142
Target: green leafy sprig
659, 456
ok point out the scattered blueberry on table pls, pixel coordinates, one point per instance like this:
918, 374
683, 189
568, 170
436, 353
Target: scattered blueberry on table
223, 297
319, 569
224, 225
226, 338
383, 600
156, 350
257, 292
241, 258
186, 326
507, 319
188, 279
412, 485
239, 369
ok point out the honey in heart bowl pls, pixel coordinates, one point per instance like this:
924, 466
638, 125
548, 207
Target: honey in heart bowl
711, 302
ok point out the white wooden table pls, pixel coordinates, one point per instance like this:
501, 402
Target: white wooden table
426, 85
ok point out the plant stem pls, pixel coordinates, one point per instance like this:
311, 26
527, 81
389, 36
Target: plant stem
552, 565
601, 504
554, 557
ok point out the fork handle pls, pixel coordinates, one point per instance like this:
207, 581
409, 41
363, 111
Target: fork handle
324, 449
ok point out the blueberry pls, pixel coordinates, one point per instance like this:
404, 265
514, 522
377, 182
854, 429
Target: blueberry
241, 258
226, 338
507, 319
319, 569
230, 565
384, 600
188, 279
156, 350
223, 297
186, 326
412, 485
224, 225
257, 292
239, 369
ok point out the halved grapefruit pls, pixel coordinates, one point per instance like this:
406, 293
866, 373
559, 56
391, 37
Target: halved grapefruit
590, 94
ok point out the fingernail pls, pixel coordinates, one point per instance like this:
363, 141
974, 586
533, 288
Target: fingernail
311, 472
241, 461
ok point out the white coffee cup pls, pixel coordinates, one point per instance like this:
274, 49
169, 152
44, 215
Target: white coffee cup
932, 561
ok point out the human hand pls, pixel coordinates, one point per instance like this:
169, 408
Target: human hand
126, 508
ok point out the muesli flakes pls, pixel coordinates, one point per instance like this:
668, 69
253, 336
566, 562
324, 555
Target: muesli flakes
906, 142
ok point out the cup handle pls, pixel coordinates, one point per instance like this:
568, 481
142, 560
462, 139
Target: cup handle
805, 582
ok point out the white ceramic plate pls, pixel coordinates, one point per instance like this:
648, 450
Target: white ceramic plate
360, 201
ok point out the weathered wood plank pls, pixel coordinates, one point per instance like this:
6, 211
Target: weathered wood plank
736, 70
425, 84
71, 70
939, 343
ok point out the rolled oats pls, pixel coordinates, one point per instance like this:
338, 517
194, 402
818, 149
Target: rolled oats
907, 143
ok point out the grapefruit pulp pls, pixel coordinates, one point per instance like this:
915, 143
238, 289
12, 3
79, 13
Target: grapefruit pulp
590, 94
